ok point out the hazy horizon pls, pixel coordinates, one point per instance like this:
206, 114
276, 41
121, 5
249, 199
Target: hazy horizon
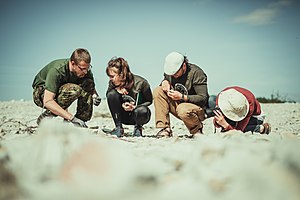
252, 44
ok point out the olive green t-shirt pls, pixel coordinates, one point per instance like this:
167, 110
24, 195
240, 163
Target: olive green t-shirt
56, 74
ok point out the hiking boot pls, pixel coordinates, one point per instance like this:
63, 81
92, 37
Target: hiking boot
137, 132
45, 114
118, 131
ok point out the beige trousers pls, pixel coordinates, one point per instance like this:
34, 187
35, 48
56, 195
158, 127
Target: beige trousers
191, 114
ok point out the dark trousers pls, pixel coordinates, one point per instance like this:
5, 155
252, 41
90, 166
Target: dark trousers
253, 125
139, 116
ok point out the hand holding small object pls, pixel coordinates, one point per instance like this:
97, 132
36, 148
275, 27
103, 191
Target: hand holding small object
128, 106
122, 90
96, 100
175, 95
78, 122
165, 86
220, 119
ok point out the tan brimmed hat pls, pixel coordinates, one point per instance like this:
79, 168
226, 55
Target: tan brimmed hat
233, 104
173, 63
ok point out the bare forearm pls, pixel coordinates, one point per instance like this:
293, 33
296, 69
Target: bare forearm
56, 109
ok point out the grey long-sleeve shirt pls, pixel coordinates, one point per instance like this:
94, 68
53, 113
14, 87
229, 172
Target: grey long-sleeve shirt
195, 81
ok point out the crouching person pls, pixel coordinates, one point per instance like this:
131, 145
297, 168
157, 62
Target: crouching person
128, 97
182, 93
237, 108
63, 81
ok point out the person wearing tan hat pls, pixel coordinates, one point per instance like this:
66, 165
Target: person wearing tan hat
237, 108
183, 93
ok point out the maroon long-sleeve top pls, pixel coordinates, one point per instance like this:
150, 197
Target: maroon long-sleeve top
254, 109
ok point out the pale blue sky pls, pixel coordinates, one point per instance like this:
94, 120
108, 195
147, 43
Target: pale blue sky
250, 43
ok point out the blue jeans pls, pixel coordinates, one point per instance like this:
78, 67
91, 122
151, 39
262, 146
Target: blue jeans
254, 123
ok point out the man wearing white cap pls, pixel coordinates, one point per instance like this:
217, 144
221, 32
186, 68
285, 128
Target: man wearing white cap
183, 93
237, 108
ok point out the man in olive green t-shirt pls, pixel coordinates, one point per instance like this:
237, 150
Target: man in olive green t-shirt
63, 81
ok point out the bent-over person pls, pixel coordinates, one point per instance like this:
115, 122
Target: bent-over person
61, 82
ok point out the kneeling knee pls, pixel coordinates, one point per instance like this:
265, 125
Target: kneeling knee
142, 115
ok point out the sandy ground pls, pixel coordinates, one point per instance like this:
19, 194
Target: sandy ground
60, 161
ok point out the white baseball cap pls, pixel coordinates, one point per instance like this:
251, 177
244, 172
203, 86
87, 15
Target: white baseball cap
173, 63
233, 104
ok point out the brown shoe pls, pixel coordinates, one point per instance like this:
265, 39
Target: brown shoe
267, 128
165, 132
